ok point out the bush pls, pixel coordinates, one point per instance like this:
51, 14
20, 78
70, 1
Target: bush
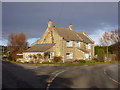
31, 61
98, 60
68, 61
46, 54
95, 59
10, 57
90, 61
57, 59
80, 61
45, 62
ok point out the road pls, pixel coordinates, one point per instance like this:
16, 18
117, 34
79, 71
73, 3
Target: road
55, 76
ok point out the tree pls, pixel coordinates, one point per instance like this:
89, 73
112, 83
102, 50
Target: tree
109, 38
101, 54
17, 43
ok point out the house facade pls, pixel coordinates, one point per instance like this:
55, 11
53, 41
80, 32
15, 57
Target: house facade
64, 42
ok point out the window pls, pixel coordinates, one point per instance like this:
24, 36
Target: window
51, 55
86, 55
69, 55
69, 43
27, 57
88, 46
77, 43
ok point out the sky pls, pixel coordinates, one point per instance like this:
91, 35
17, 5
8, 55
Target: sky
32, 17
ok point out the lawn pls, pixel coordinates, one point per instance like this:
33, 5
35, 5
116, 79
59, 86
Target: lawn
67, 63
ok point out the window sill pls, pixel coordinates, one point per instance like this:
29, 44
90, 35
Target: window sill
69, 47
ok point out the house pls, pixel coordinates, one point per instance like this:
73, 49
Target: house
64, 42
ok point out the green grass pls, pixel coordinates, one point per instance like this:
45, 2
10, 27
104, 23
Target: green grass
67, 63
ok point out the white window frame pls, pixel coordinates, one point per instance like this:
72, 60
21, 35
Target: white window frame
69, 43
77, 43
27, 56
86, 55
70, 56
88, 46
51, 55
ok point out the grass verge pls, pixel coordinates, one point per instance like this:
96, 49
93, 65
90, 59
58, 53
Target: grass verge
67, 63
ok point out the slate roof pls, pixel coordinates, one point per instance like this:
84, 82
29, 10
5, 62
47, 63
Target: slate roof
40, 47
68, 34
85, 38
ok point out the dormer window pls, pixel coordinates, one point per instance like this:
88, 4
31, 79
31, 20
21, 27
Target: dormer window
69, 43
77, 43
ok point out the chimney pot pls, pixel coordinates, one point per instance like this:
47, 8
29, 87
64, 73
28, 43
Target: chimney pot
50, 23
70, 27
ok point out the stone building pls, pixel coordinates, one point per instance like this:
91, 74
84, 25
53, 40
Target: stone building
64, 42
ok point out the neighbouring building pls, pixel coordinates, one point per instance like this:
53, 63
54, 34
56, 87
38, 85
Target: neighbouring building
64, 42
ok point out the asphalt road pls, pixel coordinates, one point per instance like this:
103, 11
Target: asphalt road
51, 76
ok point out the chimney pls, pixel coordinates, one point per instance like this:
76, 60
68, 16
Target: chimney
70, 27
50, 23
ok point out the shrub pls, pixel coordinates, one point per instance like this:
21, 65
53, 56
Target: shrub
68, 61
39, 56
80, 61
10, 57
90, 61
31, 61
57, 59
35, 57
45, 62
95, 59
46, 54
98, 60
101, 60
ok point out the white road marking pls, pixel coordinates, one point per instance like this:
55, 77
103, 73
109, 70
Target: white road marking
49, 84
56, 74
110, 77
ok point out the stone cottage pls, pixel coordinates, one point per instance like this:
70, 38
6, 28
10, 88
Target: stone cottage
64, 42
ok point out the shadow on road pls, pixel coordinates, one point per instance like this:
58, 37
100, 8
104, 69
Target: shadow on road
15, 76
62, 83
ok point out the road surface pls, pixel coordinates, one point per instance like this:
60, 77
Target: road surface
56, 76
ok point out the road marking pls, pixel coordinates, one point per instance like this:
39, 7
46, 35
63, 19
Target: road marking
110, 77
55, 72
50, 81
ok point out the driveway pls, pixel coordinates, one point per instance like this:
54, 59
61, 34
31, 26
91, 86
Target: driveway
56, 76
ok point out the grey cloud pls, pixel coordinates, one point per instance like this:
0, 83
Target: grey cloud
31, 18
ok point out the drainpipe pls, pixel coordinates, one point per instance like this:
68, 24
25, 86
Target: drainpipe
63, 50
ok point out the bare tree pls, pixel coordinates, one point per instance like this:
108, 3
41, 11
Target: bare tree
17, 43
109, 38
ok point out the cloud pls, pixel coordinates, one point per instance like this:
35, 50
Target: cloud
32, 40
31, 17
3, 41
99, 32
